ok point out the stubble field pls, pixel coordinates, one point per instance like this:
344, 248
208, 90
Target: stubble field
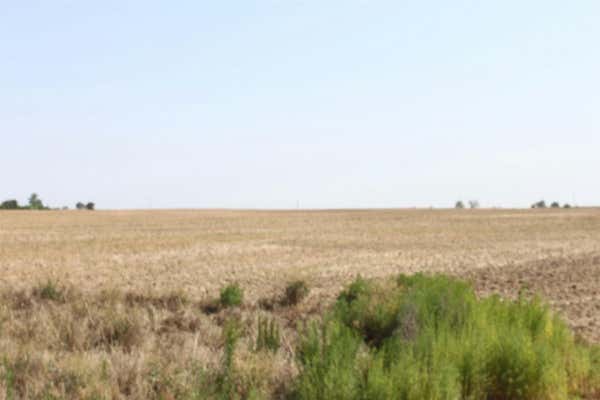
155, 271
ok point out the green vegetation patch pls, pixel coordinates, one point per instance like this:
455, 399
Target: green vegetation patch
232, 296
431, 338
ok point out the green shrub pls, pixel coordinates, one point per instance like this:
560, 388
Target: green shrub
226, 381
327, 359
295, 292
359, 287
429, 337
232, 296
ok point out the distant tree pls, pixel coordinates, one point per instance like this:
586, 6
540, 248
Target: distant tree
555, 204
9, 205
35, 203
473, 204
567, 205
539, 204
459, 204
90, 206
80, 206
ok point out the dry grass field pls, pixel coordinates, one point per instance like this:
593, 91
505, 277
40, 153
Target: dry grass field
127, 319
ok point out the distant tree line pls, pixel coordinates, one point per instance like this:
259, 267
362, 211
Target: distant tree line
554, 204
472, 204
35, 203
538, 204
86, 206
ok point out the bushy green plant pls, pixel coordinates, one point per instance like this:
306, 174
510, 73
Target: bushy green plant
327, 357
226, 380
231, 296
359, 287
429, 337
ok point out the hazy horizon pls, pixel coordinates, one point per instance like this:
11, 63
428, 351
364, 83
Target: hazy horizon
272, 104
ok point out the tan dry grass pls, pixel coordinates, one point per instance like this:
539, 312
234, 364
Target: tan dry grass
131, 326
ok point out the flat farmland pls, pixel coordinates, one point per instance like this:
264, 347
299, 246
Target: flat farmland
555, 253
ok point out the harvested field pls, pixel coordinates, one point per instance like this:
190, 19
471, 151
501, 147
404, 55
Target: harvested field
132, 284
554, 252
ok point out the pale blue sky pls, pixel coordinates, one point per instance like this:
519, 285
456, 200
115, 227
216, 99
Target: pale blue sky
259, 104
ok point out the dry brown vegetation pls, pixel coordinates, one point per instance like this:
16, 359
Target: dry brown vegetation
116, 304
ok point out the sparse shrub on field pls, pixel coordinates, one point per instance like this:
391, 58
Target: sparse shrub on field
231, 296
459, 205
295, 292
539, 204
567, 205
50, 290
268, 336
555, 204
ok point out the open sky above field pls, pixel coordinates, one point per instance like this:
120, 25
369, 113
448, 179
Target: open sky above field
139, 104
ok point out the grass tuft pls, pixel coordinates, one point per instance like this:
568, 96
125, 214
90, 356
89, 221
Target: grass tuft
268, 337
232, 296
50, 291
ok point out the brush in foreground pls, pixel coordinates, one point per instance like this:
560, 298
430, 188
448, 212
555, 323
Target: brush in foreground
431, 338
